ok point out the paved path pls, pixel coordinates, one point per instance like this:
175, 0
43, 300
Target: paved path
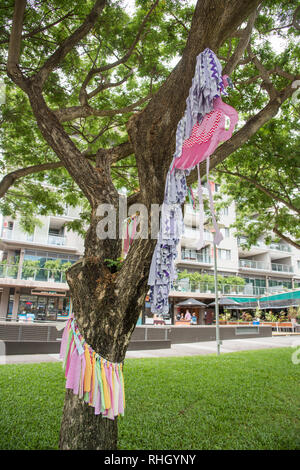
186, 349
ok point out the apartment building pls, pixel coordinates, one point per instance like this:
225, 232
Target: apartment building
264, 268
32, 269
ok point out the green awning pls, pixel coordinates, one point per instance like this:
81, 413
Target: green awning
277, 301
284, 296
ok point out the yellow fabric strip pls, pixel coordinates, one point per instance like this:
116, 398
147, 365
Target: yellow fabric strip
93, 378
88, 370
105, 387
123, 388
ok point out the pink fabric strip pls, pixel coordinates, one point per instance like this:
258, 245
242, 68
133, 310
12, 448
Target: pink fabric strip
133, 230
126, 240
74, 365
71, 349
121, 404
64, 339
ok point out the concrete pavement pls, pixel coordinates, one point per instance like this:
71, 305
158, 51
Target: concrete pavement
186, 349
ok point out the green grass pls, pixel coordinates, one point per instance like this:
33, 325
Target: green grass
244, 400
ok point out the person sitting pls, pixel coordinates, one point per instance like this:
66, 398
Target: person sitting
194, 319
187, 316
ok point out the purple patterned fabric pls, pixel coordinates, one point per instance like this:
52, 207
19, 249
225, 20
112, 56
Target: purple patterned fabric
206, 85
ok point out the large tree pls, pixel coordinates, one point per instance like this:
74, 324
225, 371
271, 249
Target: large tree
66, 60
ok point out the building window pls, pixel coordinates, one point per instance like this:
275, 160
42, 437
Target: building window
224, 254
256, 282
217, 187
224, 211
226, 232
298, 264
283, 283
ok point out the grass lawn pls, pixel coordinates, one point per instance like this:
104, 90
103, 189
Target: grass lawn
244, 400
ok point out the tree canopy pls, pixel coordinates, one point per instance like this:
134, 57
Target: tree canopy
115, 70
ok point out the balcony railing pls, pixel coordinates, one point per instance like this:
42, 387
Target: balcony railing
250, 264
193, 233
189, 255
34, 274
185, 285
56, 240
43, 275
280, 247
282, 268
9, 234
9, 271
261, 244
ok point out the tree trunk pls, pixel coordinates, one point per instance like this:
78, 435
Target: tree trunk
81, 429
106, 306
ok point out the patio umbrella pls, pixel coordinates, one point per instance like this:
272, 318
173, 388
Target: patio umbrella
224, 301
191, 303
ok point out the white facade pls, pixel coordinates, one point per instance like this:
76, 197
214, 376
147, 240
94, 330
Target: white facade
266, 269
32, 269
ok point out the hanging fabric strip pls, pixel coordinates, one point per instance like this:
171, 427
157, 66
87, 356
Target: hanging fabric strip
98, 381
218, 237
129, 231
201, 212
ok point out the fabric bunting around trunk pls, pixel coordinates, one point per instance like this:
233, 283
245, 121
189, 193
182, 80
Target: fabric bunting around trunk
99, 382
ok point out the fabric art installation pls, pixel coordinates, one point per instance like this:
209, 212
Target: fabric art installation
129, 231
98, 382
198, 134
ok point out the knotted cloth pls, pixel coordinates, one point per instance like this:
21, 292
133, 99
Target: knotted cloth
99, 382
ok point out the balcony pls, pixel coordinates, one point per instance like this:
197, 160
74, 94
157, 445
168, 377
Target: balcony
185, 285
8, 234
9, 271
282, 268
193, 233
44, 275
56, 240
196, 257
250, 264
280, 247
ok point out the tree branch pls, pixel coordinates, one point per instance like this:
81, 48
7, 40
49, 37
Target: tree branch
116, 153
84, 96
242, 45
14, 48
262, 188
284, 237
126, 56
41, 28
264, 73
75, 112
67, 45
12, 177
